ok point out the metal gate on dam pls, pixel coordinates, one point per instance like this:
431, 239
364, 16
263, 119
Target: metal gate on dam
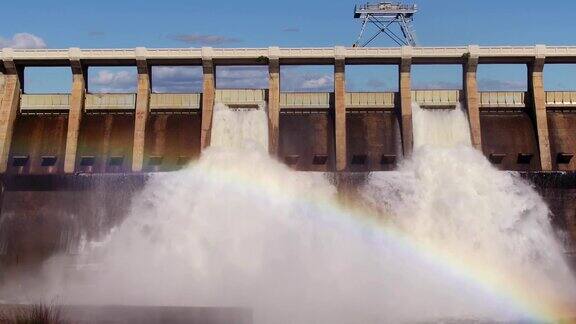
66, 153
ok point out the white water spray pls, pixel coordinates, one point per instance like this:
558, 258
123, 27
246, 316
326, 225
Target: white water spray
440, 127
245, 129
448, 196
239, 229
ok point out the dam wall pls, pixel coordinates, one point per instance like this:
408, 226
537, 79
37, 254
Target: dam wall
306, 133
337, 131
63, 154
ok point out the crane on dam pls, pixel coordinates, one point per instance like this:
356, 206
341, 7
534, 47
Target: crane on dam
384, 16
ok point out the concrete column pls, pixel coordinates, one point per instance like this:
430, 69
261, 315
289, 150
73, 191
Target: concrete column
2, 188
208, 94
273, 101
77, 97
471, 96
9, 106
405, 103
142, 110
1, 84
340, 109
538, 105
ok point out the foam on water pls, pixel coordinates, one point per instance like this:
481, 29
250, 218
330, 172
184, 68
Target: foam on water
238, 228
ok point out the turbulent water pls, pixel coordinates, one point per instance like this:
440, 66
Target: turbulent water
440, 238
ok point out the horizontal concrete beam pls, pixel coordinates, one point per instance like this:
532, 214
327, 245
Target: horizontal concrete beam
42, 102
308, 100
497, 99
561, 98
175, 101
437, 97
110, 101
327, 55
291, 100
370, 100
240, 96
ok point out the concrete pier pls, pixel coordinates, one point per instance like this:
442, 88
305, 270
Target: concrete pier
77, 97
340, 113
538, 106
208, 94
8, 106
472, 102
405, 104
273, 102
8, 111
142, 111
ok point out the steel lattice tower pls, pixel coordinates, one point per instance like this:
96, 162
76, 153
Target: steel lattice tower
384, 16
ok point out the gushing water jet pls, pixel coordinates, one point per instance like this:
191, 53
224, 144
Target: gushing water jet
445, 236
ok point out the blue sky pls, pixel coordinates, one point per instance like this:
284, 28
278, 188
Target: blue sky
172, 23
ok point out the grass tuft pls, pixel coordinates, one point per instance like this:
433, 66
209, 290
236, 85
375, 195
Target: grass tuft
34, 314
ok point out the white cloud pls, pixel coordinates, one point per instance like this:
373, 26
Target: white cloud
296, 79
321, 82
187, 79
179, 79
113, 81
250, 77
182, 79
23, 40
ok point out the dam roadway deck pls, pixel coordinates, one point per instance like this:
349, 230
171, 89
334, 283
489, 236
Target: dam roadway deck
55, 144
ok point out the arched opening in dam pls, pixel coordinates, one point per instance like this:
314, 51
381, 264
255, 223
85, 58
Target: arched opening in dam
440, 235
373, 136
173, 139
307, 134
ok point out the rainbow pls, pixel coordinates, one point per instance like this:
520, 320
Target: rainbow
524, 296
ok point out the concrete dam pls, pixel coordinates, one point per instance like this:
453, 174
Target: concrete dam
334, 132
89, 154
